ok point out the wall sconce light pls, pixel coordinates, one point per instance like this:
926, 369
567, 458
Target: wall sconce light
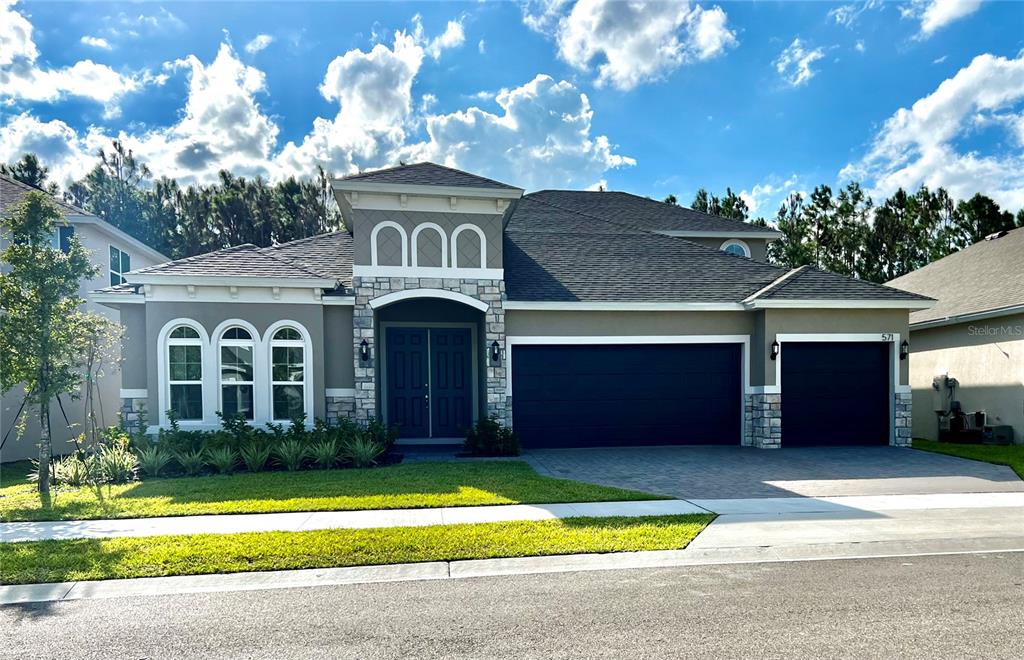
904, 349
775, 349
495, 353
364, 351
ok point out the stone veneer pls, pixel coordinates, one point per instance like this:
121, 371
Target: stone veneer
904, 419
338, 407
762, 426
133, 415
491, 292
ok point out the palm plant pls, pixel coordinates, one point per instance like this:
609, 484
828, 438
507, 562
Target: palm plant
291, 454
152, 460
255, 456
192, 462
324, 453
223, 459
363, 451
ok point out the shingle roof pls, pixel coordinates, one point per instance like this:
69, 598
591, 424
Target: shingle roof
239, 261
427, 174
642, 213
809, 283
986, 276
328, 255
12, 190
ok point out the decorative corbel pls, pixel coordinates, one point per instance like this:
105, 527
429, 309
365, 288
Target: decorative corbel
276, 292
403, 199
233, 291
453, 201
191, 288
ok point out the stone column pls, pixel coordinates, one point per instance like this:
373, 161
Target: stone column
763, 421
903, 419
365, 401
133, 415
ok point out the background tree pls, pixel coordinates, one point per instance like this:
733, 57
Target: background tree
982, 216
44, 335
796, 247
29, 170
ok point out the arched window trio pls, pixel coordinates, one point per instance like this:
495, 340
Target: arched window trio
236, 372
430, 246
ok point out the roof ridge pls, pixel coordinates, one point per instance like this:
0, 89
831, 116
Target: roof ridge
774, 283
807, 268
230, 248
306, 238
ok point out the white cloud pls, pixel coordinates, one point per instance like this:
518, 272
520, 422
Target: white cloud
135, 26
481, 47
859, 46
258, 43
921, 144
542, 138
937, 14
633, 42
452, 37
23, 79
848, 15
764, 198
68, 155
794, 63
939, 60
95, 42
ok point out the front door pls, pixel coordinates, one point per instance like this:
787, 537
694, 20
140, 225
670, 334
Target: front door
429, 381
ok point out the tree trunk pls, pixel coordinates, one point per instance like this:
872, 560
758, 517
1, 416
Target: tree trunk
44, 448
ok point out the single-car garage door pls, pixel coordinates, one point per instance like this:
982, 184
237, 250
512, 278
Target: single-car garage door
612, 395
835, 393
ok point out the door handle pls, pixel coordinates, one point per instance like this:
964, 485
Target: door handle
426, 397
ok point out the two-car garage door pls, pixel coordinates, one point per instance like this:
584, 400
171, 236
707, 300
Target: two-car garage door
651, 394
833, 393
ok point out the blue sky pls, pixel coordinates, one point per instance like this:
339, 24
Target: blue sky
653, 98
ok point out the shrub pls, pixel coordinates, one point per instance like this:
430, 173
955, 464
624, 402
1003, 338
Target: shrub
118, 463
381, 433
255, 456
489, 438
363, 451
71, 471
152, 460
222, 459
191, 461
324, 453
291, 453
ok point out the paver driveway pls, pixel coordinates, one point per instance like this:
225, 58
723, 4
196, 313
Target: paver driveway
734, 472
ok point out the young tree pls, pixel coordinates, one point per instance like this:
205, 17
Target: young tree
44, 335
29, 170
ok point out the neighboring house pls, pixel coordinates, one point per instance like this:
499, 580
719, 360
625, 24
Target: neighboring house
114, 253
974, 334
581, 318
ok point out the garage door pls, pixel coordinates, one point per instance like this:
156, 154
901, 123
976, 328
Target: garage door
835, 393
593, 395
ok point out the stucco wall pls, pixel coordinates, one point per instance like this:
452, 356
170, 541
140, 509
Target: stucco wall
133, 347
339, 370
210, 315
367, 219
560, 323
823, 321
987, 357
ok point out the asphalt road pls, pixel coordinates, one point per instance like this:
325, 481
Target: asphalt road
930, 607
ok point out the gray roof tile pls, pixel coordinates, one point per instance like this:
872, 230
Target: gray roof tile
812, 284
988, 275
427, 174
12, 190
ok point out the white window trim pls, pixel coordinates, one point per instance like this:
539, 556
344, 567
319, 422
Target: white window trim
254, 344
455, 243
416, 247
743, 340
163, 372
737, 242
307, 367
110, 271
373, 241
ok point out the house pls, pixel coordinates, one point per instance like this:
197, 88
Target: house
114, 253
973, 335
581, 318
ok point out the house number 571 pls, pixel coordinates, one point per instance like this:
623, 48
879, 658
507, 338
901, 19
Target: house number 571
886, 336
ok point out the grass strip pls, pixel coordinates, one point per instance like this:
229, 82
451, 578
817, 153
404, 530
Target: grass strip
414, 485
1011, 455
97, 559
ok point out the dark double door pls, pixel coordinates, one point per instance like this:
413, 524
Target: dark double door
429, 381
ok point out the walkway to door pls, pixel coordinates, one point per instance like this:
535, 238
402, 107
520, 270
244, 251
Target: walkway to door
703, 472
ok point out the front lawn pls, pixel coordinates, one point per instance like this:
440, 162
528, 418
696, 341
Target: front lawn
414, 485
95, 559
1012, 455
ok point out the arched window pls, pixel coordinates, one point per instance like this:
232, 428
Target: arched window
429, 246
469, 247
288, 374
185, 373
236, 373
737, 247
389, 245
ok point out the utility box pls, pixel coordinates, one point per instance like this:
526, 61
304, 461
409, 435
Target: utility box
999, 435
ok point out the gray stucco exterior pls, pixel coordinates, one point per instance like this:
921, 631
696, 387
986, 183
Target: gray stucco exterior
390, 255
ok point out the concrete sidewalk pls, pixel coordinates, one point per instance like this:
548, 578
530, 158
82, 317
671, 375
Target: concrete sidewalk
305, 521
